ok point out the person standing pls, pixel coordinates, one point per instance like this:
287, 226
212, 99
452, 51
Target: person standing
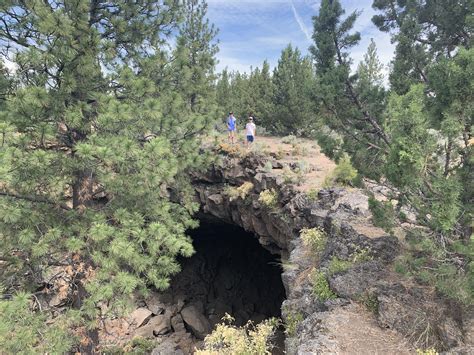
250, 130
231, 127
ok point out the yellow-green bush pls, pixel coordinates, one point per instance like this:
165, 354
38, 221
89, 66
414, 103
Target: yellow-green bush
338, 265
227, 339
239, 192
291, 139
268, 198
314, 239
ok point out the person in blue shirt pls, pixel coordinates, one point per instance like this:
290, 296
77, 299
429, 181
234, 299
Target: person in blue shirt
231, 127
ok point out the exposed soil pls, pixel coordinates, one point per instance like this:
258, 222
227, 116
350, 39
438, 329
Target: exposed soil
301, 151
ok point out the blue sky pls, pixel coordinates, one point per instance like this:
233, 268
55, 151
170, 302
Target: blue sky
253, 30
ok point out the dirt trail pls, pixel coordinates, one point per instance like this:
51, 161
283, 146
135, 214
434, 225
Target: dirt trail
355, 331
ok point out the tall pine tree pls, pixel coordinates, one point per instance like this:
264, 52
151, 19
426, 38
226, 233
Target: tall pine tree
95, 155
293, 82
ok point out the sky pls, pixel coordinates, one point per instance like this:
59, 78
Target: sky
251, 31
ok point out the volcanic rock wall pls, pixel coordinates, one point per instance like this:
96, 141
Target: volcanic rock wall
375, 310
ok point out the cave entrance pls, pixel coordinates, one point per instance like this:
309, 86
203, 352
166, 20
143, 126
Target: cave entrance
230, 273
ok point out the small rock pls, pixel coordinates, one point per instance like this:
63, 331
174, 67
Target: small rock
177, 323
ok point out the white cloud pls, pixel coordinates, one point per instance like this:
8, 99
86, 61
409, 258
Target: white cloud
300, 21
236, 64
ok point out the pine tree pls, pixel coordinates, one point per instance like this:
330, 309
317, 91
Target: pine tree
96, 152
370, 90
263, 90
293, 80
5, 89
224, 93
369, 71
194, 59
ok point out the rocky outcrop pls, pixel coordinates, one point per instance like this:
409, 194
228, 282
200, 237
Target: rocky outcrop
373, 310
412, 314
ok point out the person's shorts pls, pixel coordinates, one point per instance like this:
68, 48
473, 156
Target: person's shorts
250, 139
231, 129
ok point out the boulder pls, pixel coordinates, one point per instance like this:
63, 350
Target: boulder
196, 321
140, 316
157, 325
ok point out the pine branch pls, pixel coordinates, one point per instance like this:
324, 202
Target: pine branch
35, 199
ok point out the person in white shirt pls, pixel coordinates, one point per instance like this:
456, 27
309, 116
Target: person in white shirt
250, 131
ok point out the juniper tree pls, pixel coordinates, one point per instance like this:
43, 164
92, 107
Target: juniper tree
343, 109
412, 142
93, 174
423, 31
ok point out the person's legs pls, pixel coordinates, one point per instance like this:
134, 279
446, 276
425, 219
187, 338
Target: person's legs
249, 141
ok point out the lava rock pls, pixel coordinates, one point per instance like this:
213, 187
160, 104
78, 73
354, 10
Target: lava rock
196, 321
177, 323
140, 316
158, 325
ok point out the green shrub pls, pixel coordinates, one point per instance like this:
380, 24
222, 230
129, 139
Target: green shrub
239, 192
370, 301
289, 177
343, 174
313, 194
383, 214
268, 167
268, 198
337, 265
321, 286
314, 239
431, 264
361, 255
290, 139
303, 167
228, 339
292, 320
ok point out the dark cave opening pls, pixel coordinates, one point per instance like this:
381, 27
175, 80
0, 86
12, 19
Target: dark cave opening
229, 273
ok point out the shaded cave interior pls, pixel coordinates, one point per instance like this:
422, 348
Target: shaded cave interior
230, 272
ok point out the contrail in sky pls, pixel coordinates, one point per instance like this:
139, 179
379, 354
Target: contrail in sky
298, 19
